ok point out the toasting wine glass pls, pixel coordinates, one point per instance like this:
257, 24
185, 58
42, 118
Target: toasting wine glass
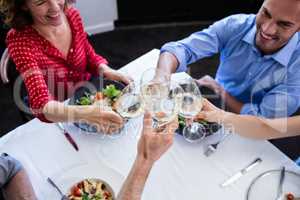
129, 104
160, 97
191, 105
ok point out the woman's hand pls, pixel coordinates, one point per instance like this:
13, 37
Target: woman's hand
105, 121
210, 112
112, 74
153, 143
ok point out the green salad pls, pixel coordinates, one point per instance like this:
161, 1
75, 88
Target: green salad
84, 100
110, 91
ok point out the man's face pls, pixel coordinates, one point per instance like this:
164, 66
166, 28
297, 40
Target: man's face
277, 21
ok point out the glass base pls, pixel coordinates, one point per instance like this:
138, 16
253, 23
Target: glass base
194, 132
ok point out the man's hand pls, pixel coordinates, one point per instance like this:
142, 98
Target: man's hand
232, 104
153, 144
211, 83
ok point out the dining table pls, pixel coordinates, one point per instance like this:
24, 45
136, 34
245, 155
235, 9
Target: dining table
184, 172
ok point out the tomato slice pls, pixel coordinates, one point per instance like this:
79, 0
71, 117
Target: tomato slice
290, 196
77, 192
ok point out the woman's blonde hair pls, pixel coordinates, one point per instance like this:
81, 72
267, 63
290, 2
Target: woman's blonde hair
15, 16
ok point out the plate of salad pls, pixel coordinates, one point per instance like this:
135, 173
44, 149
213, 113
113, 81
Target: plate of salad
210, 127
100, 92
91, 189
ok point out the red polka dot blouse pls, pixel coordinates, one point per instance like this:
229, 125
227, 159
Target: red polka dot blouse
46, 73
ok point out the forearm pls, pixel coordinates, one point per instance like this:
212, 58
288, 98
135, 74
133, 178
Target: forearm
59, 112
167, 63
19, 188
133, 187
103, 69
260, 128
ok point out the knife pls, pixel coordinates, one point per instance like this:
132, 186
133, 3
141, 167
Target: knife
68, 136
242, 172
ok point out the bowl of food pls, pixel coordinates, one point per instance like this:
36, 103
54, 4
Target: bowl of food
210, 127
91, 189
99, 92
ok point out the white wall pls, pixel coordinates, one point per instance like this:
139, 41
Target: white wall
98, 15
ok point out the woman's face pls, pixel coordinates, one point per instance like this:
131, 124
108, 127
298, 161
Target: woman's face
46, 12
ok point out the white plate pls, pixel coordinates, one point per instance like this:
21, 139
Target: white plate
265, 186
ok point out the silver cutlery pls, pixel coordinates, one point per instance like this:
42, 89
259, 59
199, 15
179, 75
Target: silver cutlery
68, 136
213, 147
241, 173
281, 180
63, 196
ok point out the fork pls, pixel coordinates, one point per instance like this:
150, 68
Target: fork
213, 147
63, 196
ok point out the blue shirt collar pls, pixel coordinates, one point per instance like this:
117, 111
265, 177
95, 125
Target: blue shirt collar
282, 56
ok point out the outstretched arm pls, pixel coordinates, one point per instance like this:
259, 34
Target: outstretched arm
152, 145
251, 126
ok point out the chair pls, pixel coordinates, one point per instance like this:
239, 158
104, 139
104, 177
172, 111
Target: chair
9, 76
5, 61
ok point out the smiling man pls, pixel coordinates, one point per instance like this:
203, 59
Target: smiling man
259, 71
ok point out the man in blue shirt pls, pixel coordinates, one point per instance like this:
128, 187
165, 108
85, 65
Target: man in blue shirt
259, 71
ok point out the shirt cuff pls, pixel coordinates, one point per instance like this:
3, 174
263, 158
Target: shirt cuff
37, 110
9, 167
172, 47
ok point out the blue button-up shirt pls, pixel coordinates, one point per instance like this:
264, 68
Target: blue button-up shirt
268, 85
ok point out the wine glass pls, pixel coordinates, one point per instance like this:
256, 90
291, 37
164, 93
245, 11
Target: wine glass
129, 104
191, 105
160, 97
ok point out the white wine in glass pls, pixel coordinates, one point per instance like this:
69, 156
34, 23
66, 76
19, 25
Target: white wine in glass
191, 105
159, 97
129, 104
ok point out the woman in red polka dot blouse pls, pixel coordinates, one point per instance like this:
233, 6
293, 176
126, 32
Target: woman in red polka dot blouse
49, 46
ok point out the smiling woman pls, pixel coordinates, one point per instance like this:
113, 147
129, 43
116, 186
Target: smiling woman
50, 49
16, 16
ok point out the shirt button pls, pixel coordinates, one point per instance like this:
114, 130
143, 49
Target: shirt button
71, 50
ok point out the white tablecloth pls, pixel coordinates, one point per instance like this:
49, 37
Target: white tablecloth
182, 173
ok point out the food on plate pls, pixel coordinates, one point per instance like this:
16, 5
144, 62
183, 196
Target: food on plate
210, 127
289, 196
105, 98
90, 189
181, 121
